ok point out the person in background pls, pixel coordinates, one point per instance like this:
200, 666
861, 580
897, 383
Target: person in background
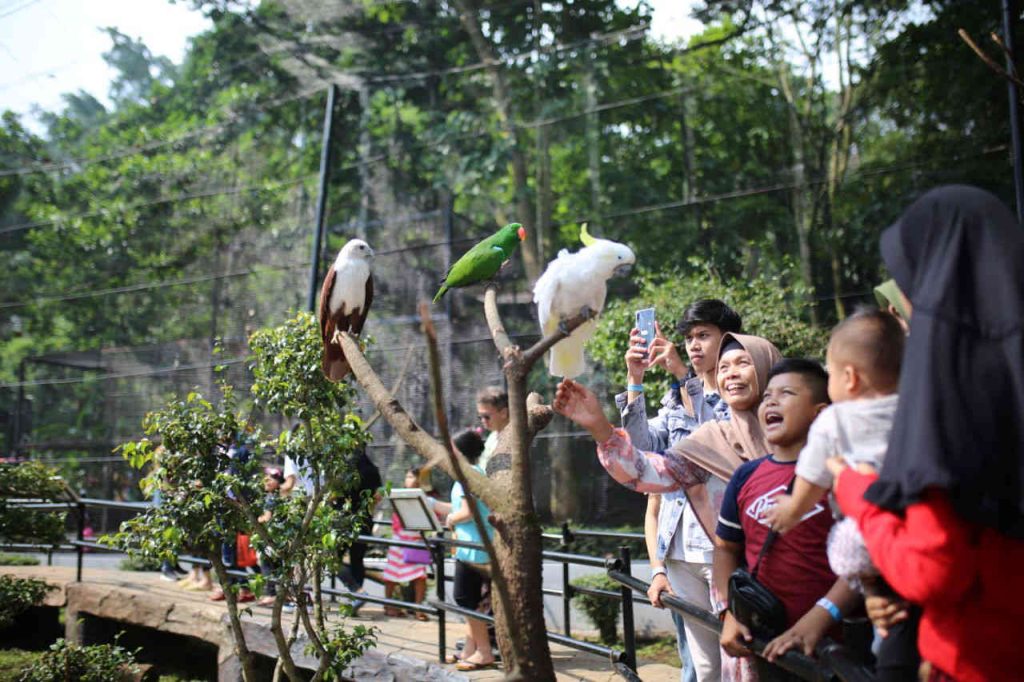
470, 569
354, 573
407, 565
944, 518
272, 480
492, 410
680, 551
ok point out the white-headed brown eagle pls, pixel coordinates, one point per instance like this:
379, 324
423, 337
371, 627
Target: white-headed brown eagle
344, 302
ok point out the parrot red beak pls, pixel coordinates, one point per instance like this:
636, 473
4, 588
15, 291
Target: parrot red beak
522, 234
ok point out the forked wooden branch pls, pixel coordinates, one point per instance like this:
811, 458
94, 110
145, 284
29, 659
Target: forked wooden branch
430, 448
991, 63
519, 361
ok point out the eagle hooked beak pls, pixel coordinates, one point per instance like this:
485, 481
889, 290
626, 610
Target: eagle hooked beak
522, 233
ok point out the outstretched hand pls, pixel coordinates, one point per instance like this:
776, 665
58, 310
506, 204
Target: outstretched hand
575, 402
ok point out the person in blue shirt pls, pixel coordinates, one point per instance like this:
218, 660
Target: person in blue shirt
470, 574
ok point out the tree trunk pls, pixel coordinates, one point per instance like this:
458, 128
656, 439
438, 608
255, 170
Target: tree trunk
241, 648
503, 105
593, 136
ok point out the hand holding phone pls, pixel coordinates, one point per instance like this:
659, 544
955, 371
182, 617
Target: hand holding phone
645, 325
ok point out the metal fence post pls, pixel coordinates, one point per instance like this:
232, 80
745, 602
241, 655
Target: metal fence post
628, 632
566, 587
79, 550
437, 550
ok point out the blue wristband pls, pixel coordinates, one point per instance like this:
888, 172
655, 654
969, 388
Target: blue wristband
635, 388
832, 609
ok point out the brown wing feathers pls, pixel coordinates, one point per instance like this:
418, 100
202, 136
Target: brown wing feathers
334, 365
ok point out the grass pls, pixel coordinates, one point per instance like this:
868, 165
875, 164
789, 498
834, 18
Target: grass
13, 661
17, 560
660, 650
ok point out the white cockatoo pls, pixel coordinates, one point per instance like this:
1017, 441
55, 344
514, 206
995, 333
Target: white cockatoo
571, 283
344, 302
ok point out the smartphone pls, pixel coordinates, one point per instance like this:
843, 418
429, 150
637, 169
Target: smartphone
645, 323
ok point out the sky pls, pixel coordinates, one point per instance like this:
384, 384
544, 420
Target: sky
50, 47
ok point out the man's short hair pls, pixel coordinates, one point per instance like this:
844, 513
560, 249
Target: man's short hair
470, 444
872, 341
494, 396
811, 371
710, 311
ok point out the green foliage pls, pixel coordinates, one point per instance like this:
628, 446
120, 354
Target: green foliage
207, 486
770, 306
94, 663
139, 563
601, 610
18, 594
36, 481
13, 661
17, 560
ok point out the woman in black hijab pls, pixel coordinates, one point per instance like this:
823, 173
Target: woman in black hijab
944, 520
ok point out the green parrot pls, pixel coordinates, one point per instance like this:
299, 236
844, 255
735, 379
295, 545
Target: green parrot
483, 261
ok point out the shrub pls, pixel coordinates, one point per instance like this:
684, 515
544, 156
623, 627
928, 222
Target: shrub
602, 611
771, 306
18, 594
17, 560
94, 663
137, 562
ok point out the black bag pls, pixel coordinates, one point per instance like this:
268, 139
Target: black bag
753, 604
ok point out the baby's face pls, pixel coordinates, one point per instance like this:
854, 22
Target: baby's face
839, 389
270, 484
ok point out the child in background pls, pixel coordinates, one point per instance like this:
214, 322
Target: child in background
407, 565
272, 480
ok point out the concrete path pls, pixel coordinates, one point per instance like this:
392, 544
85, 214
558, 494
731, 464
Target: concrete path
406, 649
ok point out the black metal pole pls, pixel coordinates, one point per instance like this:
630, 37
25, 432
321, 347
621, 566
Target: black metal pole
438, 551
321, 199
628, 627
81, 536
1009, 25
566, 586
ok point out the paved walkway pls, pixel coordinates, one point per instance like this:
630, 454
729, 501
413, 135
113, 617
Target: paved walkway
405, 649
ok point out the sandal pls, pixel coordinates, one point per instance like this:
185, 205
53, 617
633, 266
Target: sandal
468, 666
394, 612
422, 616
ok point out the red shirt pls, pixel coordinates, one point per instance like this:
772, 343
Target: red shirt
965, 578
796, 567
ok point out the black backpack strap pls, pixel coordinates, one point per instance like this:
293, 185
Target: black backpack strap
773, 535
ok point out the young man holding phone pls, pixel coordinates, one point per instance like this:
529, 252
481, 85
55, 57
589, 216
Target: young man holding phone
679, 549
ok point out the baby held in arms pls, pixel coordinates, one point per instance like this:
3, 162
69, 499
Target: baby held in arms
863, 359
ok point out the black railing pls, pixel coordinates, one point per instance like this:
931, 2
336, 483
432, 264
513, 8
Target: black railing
833, 662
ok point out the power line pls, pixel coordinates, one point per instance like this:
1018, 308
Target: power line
18, 8
124, 375
156, 202
150, 146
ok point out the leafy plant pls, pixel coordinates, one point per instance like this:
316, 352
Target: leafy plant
206, 489
139, 563
17, 560
36, 481
94, 663
771, 306
18, 594
602, 611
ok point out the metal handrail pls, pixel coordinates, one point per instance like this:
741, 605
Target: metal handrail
623, 661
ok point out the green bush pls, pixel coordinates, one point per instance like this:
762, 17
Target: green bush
603, 612
95, 663
141, 563
771, 306
18, 594
17, 560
